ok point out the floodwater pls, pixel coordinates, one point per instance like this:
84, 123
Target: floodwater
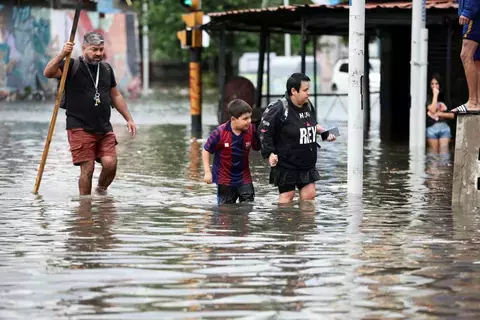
157, 246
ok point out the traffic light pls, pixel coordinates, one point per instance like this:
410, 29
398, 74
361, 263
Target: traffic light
191, 5
191, 37
193, 19
185, 37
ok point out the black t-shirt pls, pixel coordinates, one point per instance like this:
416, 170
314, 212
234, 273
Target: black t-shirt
292, 138
79, 96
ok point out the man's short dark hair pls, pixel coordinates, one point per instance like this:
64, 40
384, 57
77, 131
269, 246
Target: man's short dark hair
238, 107
295, 81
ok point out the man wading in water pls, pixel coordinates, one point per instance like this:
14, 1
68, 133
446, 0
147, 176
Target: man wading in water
90, 91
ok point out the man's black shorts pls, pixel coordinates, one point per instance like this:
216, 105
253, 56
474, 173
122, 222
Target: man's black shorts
229, 194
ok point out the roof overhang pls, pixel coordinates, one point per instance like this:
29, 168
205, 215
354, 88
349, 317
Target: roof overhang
325, 19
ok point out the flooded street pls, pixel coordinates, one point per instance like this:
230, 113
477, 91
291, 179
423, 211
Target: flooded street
158, 247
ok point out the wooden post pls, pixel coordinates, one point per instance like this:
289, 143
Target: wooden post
61, 87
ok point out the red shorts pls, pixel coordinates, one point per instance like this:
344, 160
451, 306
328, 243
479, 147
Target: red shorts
86, 146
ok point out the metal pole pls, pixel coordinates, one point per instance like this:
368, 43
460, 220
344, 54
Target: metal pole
315, 39
416, 106
145, 45
356, 47
422, 89
221, 77
448, 76
268, 68
196, 91
366, 87
288, 41
304, 44
261, 61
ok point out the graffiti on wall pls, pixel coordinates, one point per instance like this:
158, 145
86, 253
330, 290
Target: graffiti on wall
30, 37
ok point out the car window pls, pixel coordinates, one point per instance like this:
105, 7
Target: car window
344, 67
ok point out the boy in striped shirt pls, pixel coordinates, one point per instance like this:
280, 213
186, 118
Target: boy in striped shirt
230, 144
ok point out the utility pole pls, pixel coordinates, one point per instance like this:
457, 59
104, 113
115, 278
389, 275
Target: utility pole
191, 38
356, 47
145, 49
417, 83
288, 42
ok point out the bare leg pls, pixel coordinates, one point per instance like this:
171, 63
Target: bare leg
468, 50
307, 206
286, 197
444, 145
308, 192
109, 169
85, 180
433, 145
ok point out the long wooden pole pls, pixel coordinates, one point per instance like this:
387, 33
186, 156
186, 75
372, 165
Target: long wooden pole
57, 101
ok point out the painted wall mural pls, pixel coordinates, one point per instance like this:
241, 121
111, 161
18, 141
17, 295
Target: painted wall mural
31, 36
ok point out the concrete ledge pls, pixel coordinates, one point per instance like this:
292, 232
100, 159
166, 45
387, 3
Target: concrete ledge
466, 168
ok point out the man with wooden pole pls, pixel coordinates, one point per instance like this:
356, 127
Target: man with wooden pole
90, 91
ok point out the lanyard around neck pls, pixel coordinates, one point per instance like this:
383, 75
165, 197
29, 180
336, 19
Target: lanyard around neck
95, 82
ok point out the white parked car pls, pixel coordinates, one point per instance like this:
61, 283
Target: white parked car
340, 76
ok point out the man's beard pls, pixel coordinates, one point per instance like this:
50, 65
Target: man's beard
92, 62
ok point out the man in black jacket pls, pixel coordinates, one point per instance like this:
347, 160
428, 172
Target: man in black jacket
90, 92
288, 132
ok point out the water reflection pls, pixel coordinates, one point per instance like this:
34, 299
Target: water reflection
91, 230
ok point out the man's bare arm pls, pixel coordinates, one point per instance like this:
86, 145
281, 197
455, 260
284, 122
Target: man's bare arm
121, 106
52, 69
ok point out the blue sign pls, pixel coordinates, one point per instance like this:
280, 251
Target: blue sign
106, 6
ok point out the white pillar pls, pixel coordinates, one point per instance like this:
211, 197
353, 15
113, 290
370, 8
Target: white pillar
356, 47
288, 45
416, 105
422, 89
145, 53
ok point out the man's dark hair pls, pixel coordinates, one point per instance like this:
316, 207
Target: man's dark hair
295, 81
238, 107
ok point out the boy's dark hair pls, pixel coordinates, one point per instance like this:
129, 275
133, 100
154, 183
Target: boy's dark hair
295, 81
238, 107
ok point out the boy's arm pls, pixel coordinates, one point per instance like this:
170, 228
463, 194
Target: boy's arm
206, 166
267, 128
209, 148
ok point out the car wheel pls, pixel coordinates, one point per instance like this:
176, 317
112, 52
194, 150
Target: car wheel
334, 87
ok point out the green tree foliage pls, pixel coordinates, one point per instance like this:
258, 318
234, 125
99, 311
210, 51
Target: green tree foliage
164, 19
